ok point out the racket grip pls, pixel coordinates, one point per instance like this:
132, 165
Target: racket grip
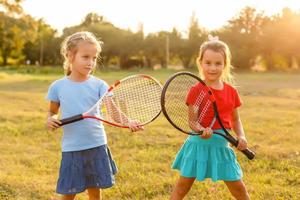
247, 152
71, 119
250, 154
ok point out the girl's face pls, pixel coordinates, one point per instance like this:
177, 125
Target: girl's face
212, 64
84, 60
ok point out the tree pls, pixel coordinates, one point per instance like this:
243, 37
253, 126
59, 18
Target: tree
243, 33
92, 18
189, 48
45, 48
116, 42
278, 40
154, 48
14, 33
11, 7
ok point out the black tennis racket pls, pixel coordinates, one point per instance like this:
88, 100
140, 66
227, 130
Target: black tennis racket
178, 113
134, 98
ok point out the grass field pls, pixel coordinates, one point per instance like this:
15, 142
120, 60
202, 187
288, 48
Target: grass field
30, 156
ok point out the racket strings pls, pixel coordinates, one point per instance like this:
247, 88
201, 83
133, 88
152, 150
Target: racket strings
175, 101
136, 98
176, 107
203, 105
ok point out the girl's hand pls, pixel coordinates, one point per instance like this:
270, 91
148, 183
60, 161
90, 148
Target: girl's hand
52, 123
134, 126
207, 132
242, 143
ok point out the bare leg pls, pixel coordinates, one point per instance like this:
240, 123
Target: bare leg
181, 188
67, 196
238, 189
94, 193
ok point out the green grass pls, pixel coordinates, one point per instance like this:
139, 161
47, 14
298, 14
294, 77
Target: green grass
30, 156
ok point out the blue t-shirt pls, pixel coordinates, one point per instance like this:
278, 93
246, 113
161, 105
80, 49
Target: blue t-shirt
76, 98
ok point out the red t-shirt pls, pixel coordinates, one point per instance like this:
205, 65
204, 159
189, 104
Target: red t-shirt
227, 100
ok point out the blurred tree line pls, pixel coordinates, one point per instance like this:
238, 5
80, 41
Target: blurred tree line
255, 40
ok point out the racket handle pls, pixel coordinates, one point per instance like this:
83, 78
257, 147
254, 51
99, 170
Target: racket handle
249, 153
71, 119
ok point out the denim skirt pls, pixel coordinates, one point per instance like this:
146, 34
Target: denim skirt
90, 168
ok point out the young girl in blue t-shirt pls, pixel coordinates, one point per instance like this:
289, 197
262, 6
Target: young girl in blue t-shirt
86, 162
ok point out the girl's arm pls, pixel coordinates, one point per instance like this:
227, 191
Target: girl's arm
117, 115
114, 112
193, 118
194, 125
239, 130
52, 121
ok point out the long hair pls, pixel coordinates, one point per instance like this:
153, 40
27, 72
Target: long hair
221, 47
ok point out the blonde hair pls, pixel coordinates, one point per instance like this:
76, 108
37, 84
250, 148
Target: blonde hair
221, 47
70, 45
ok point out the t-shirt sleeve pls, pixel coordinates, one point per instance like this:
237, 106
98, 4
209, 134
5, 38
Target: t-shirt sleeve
237, 99
52, 94
103, 89
192, 96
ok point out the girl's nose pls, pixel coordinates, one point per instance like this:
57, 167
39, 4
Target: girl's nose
90, 62
213, 66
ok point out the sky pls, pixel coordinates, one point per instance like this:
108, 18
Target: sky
155, 15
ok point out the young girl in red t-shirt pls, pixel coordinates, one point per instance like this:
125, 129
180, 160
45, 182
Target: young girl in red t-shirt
209, 155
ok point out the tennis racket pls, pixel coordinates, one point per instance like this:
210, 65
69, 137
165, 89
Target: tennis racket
134, 98
178, 113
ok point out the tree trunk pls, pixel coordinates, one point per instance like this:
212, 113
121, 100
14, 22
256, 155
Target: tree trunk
185, 61
123, 60
4, 57
148, 62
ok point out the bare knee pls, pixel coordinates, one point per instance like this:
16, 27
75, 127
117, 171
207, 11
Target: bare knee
241, 194
182, 188
94, 193
238, 190
67, 197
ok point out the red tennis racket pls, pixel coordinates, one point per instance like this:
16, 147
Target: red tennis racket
135, 98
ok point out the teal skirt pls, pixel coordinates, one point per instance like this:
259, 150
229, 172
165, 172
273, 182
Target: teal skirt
207, 158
